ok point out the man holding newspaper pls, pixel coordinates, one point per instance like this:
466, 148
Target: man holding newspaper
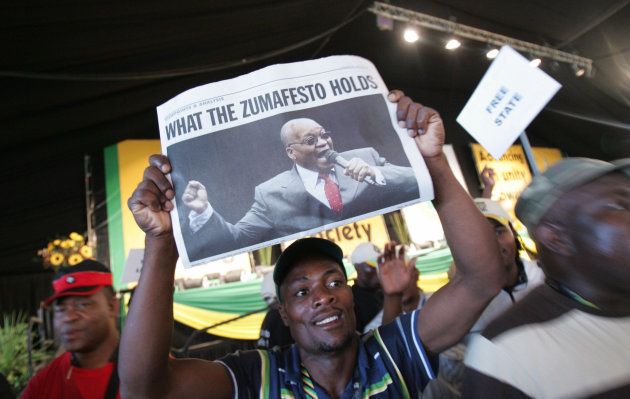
329, 359
322, 187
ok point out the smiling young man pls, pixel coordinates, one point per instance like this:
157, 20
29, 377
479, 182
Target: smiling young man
329, 359
314, 192
85, 311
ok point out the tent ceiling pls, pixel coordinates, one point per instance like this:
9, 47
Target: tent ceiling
79, 76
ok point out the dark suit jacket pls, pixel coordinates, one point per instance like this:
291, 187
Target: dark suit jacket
282, 207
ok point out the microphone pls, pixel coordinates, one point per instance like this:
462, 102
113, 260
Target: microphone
334, 157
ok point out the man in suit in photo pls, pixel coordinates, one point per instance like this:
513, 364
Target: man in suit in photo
316, 191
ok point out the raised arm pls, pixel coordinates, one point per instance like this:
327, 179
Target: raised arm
395, 276
488, 180
452, 310
144, 368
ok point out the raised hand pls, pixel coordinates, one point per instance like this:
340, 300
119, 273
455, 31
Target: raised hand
150, 202
358, 169
195, 196
394, 273
487, 178
424, 124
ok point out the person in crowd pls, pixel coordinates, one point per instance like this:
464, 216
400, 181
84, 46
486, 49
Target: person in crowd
569, 338
367, 293
273, 332
523, 275
393, 275
314, 192
328, 359
85, 309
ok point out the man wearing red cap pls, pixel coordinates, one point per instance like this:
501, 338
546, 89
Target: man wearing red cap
85, 310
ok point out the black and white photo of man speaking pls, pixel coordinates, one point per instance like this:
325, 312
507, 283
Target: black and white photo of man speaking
321, 188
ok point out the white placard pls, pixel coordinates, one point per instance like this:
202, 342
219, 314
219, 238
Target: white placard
508, 98
133, 266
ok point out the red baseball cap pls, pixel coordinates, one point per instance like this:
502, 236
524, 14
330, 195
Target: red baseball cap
86, 278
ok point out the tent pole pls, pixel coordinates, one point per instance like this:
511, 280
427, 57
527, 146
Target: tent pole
529, 153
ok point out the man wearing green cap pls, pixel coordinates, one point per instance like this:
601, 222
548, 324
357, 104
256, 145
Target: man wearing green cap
569, 338
329, 358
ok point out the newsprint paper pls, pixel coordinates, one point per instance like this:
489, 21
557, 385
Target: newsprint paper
266, 157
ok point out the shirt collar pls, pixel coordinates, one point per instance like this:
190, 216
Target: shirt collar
310, 178
293, 364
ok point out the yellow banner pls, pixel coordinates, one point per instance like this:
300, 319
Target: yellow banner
349, 236
511, 173
133, 157
545, 157
245, 328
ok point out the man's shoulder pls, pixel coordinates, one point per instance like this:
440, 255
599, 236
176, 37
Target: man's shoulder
254, 358
538, 306
61, 362
400, 347
280, 180
544, 340
252, 369
360, 152
54, 371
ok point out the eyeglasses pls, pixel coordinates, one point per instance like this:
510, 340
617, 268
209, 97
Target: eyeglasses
312, 139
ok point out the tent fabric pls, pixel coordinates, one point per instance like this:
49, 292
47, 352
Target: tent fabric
433, 267
246, 328
233, 298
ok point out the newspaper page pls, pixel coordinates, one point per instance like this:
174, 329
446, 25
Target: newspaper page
283, 152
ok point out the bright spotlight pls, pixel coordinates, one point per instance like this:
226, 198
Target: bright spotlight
492, 54
411, 35
535, 62
580, 72
452, 44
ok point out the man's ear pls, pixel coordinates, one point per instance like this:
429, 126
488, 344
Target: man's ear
113, 304
290, 153
555, 238
283, 314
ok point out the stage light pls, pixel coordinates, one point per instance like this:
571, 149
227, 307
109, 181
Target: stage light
411, 35
452, 44
452, 28
492, 54
535, 62
579, 72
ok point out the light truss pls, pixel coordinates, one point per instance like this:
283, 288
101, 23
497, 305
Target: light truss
480, 35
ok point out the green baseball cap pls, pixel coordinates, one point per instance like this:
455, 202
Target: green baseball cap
559, 179
299, 250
